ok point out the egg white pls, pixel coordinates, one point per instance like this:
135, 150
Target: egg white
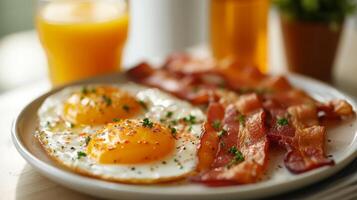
63, 140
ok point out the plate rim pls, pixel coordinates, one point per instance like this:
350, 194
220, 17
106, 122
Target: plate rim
61, 175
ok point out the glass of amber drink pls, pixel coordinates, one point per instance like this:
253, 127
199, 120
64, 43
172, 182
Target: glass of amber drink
239, 31
82, 38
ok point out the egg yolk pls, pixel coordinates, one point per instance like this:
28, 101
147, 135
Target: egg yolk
100, 105
131, 141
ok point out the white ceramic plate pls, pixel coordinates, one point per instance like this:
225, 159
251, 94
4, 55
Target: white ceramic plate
343, 148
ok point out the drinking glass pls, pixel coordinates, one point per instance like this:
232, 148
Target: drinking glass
239, 31
82, 38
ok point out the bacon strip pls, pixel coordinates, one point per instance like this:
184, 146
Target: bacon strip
307, 151
183, 87
248, 136
229, 139
335, 110
184, 64
209, 139
302, 137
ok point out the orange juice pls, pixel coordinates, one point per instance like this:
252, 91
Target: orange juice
239, 31
82, 38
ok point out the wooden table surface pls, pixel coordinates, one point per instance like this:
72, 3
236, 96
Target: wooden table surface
20, 181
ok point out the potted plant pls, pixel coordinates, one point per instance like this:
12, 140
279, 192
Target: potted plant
311, 32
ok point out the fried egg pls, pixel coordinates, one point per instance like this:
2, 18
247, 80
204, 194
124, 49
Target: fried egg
126, 132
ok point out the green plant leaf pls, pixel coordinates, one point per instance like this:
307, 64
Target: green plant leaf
310, 5
327, 11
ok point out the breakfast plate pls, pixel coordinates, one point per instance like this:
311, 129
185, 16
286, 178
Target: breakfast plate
341, 145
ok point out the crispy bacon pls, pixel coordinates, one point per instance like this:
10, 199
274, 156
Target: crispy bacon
226, 73
275, 83
307, 151
264, 100
228, 139
197, 80
209, 139
248, 136
184, 64
287, 98
301, 136
335, 110
183, 87
234, 74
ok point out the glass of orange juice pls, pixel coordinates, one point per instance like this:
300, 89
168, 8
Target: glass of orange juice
239, 31
82, 38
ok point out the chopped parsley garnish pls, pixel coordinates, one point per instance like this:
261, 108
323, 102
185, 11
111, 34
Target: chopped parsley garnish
48, 124
173, 131
143, 104
81, 154
88, 138
84, 90
173, 122
147, 123
116, 119
107, 100
169, 114
282, 122
190, 119
241, 119
221, 133
126, 108
216, 124
237, 156
178, 163
233, 150
190, 128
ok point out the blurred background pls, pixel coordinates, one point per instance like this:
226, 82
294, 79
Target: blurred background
157, 28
